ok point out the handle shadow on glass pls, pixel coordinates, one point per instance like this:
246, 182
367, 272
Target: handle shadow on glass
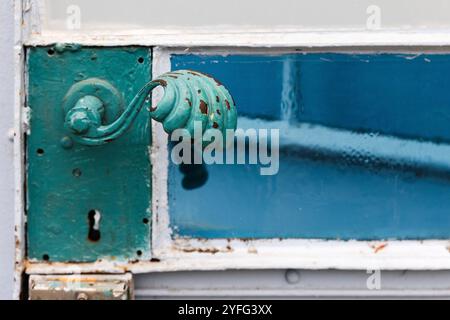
95, 114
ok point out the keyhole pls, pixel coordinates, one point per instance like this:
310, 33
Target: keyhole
94, 217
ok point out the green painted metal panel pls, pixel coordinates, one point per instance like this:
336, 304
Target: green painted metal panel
67, 184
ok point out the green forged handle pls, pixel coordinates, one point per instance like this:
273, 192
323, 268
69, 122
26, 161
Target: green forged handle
189, 97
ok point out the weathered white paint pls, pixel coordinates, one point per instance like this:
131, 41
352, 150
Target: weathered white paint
180, 38
160, 161
221, 254
330, 35
20, 14
236, 254
6, 149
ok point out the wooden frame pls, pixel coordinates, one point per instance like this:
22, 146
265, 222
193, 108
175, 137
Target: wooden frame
220, 254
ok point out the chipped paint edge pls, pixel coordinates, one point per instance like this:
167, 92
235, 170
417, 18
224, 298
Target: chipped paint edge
231, 37
227, 254
262, 38
161, 232
18, 153
80, 283
183, 254
222, 254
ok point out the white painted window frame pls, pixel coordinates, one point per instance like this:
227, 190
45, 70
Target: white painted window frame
220, 254
270, 253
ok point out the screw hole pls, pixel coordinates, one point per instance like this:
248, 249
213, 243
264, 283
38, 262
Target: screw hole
40, 152
51, 52
145, 220
76, 172
139, 253
45, 257
141, 60
94, 217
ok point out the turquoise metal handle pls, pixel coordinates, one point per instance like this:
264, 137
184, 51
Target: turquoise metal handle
94, 107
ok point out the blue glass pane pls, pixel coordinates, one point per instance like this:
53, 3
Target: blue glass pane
364, 150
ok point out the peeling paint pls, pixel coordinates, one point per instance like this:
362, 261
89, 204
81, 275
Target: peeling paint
86, 179
223, 254
81, 287
62, 47
379, 247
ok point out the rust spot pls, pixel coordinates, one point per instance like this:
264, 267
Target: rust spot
153, 109
212, 250
215, 125
228, 104
203, 107
161, 82
205, 74
67, 279
201, 250
218, 112
379, 247
252, 250
189, 102
217, 99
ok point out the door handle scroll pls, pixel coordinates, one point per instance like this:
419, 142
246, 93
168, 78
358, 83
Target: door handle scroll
95, 113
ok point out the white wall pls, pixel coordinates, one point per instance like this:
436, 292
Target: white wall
6, 150
207, 15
